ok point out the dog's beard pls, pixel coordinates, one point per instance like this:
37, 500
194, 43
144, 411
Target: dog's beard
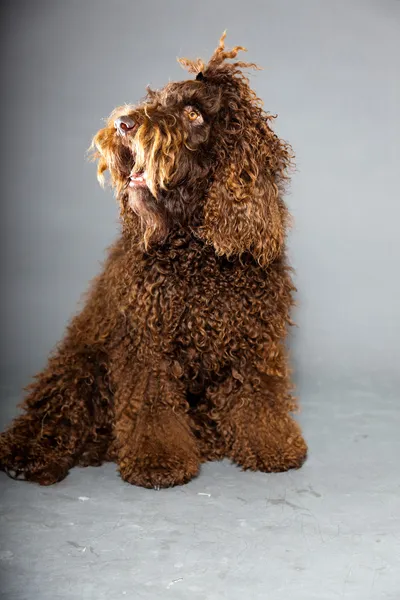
147, 172
156, 148
152, 215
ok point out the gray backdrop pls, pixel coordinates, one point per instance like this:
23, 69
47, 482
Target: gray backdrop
331, 71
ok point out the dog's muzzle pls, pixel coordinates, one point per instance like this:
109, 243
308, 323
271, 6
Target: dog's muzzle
124, 125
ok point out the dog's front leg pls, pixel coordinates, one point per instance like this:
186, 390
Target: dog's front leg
154, 443
252, 413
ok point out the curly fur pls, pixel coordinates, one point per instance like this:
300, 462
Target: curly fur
178, 355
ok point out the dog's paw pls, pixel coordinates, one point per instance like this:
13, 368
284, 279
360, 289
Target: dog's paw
270, 451
161, 460
270, 459
30, 470
160, 471
162, 453
31, 462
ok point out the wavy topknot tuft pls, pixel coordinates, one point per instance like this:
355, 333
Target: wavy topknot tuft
217, 60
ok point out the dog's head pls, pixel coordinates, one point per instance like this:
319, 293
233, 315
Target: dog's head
200, 154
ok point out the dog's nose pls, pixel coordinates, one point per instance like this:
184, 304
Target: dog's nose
124, 124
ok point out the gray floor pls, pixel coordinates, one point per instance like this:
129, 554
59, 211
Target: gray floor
330, 530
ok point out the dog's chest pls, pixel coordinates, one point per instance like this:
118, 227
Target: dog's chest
197, 305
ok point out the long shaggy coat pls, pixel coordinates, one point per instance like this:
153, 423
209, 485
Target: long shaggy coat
178, 355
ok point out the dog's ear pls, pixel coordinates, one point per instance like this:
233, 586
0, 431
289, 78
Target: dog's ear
244, 210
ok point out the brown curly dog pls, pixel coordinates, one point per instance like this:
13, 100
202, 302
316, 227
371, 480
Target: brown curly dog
178, 355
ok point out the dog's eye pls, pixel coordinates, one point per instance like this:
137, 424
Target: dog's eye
193, 114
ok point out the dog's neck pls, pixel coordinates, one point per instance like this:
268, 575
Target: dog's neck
175, 214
